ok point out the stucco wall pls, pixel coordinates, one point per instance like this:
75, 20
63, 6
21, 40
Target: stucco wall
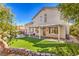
53, 17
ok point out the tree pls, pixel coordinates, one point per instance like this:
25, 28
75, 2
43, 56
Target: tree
6, 21
70, 11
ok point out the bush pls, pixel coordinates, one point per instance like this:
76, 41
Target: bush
68, 50
74, 30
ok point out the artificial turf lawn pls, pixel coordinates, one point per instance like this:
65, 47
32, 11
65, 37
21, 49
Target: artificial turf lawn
32, 44
44, 45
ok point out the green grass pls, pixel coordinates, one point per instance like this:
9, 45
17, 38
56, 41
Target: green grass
30, 43
45, 46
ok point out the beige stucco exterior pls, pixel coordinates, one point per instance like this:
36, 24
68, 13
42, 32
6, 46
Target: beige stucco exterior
53, 17
49, 18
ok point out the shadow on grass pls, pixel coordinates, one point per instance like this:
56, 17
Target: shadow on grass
50, 45
55, 45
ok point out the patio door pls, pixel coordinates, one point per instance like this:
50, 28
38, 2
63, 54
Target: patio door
44, 31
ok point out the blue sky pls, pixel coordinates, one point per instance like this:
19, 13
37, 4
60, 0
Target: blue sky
24, 12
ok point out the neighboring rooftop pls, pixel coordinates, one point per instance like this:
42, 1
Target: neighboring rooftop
29, 23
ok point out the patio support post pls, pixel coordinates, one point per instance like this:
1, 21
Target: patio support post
39, 33
58, 33
34, 31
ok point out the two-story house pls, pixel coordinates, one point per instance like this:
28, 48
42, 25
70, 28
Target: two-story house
48, 22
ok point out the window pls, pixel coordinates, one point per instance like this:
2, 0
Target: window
45, 18
40, 18
53, 30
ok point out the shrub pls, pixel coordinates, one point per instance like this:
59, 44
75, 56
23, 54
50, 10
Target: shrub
74, 30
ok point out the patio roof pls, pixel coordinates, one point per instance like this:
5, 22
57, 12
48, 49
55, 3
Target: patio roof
48, 25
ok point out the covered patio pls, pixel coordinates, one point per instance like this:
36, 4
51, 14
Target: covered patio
49, 31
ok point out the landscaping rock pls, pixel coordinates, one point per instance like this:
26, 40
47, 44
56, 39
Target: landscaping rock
21, 52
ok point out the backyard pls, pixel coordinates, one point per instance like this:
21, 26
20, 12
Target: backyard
45, 46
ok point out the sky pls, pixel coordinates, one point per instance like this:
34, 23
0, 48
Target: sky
24, 12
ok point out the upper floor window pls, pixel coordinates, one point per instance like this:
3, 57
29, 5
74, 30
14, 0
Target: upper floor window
40, 18
45, 18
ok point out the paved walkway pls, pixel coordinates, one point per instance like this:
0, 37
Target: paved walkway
72, 40
55, 40
20, 36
